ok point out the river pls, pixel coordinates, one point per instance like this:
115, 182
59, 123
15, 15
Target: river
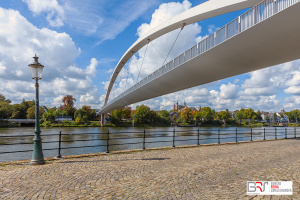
119, 136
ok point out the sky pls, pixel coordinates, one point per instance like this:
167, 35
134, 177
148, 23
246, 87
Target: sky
80, 43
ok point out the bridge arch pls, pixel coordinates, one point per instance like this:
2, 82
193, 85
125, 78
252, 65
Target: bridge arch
198, 13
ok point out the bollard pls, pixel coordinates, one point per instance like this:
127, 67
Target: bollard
144, 137
275, 134
198, 137
236, 140
251, 134
219, 136
173, 138
59, 146
264, 133
107, 142
285, 133
295, 132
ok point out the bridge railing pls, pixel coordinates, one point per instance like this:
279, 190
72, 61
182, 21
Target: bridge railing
253, 16
63, 143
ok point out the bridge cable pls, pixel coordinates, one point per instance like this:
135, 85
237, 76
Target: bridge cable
142, 62
127, 75
157, 51
174, 43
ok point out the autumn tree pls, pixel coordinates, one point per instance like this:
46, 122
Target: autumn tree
186, 115
68, 105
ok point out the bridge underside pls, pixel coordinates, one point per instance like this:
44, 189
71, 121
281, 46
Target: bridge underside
268, 43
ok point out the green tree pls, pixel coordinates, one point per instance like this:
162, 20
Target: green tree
258, 115
275, 117
292, 115
250, 114
3, 99
174, 118
19, 111
31, 112
5, 110
164, 114
142, 113
205, 113
240, 114
116, 115
50, 115
224, 115
267, 118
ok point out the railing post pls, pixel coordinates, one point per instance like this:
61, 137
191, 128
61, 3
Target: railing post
219, 136
264, 133
295, 132
59, 146
107, 142
275, 133
236, 135
285, 133
251, 134
198, 143
173, 138
144, 137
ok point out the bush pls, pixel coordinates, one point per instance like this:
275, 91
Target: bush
109, 124
245, 122
78, 120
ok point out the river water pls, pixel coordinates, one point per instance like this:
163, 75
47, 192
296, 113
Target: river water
155, 137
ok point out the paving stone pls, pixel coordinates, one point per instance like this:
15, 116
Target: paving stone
205, 172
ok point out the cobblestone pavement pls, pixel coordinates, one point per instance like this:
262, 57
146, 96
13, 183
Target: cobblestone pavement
205, 172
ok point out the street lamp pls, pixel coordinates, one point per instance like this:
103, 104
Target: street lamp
36, 70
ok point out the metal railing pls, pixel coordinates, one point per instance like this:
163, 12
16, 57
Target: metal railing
146, 137
253, 16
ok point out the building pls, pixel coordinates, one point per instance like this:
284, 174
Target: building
63, 118
181, 107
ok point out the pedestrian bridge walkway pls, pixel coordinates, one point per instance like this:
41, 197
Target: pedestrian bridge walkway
266, 35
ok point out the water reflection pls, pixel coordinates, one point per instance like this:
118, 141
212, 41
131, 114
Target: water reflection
126, 138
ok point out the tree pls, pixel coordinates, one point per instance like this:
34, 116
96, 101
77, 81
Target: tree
31, 112
174, 118
292, 115
240, 114
224, 115
205, 113
19, 111
5, 110
116, 115
50, 115
275, 117
164, 114
142, 113
3, 99
186, 115
250, 114
267, 118
258, 115
68, 101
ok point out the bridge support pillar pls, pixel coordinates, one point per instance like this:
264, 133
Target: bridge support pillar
103, 122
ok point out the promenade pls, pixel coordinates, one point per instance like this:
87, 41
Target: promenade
205, 172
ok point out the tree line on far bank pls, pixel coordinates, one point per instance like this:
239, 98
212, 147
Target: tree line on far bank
26, 110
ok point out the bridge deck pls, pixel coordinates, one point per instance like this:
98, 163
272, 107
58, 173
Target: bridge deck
270, 42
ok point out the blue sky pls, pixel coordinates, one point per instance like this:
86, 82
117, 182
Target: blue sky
80, 43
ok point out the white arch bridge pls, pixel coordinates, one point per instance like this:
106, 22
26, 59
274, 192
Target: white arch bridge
266, 35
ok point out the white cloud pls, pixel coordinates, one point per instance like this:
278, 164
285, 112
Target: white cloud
228, 91
55, 12
57, 51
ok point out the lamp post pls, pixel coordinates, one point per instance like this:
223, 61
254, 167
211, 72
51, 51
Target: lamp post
36, 70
